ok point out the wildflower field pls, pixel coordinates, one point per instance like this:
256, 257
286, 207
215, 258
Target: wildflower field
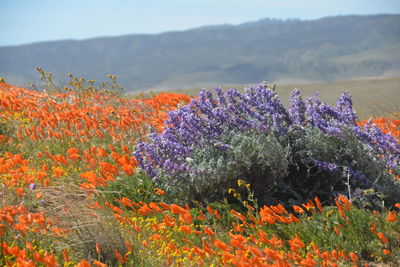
100, 178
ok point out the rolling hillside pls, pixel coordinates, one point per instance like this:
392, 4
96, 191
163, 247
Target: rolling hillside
327, 49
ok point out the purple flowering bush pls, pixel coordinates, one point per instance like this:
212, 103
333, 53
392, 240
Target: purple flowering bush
291, 154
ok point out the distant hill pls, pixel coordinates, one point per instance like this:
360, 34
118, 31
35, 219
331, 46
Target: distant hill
327, 49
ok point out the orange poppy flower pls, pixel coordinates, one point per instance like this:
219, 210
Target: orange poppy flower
308, 262
319, 206
391, 217
155, 207
176, 209
353, 257
382, 237
98, 263
159, 191
65, 255
221, 245
298, 209
98, 248
386, 252
293, 218
119, 257
208, 231
185, 229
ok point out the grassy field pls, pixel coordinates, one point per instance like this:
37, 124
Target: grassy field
371, 96
72, 193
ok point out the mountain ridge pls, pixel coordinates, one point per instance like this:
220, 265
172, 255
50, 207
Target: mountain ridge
327, 49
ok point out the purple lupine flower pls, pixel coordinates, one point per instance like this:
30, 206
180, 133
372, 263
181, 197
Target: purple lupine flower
206, 122
327, 166
344, 107
382, 144
359, 176
221, 96
297, 108
203, 121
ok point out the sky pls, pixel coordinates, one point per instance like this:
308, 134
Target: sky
27, 21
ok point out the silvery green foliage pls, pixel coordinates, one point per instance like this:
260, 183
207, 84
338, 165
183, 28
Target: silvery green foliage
251, 155
310, 148
342, 161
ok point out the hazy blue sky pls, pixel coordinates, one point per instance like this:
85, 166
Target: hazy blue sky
25, 21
